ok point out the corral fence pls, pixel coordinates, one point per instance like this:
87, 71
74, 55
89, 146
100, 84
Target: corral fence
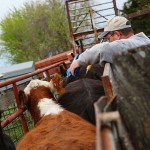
15, 120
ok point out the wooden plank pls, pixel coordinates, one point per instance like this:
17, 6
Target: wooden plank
132, 85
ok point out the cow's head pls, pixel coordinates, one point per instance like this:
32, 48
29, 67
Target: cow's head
56, 84
37, 87
35, 92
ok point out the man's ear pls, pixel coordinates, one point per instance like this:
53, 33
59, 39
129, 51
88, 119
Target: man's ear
118, 33
23, 99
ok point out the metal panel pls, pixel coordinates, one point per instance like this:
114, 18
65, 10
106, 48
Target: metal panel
87, 18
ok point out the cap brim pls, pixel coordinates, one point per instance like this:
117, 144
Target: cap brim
102, 35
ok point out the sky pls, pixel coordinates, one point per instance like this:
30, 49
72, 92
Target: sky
7, 5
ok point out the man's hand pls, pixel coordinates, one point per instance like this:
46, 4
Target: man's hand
73, 66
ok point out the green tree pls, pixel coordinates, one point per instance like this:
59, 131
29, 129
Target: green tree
35, 31
141, 23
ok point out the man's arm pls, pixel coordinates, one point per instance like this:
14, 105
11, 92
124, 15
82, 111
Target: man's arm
73, 66
88, 57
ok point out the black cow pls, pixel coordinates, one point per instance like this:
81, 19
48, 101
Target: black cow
95, 73
80, 96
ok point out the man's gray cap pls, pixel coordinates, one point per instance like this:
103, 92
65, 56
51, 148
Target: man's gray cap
116, 23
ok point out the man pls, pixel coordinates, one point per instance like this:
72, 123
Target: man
120, 37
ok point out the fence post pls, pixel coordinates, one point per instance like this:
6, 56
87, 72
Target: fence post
22, 118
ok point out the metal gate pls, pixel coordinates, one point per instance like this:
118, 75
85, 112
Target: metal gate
86, 20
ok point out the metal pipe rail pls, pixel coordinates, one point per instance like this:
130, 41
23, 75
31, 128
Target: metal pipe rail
77, 27
90, 19
107, 15
16, 79
94, 11
104, 9
91, 6
79, 14
13, 117
82, 26
78, 34
81, 20
76, 1
100, 22
90, 37
20, 110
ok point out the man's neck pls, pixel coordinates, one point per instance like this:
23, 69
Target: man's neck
127, 36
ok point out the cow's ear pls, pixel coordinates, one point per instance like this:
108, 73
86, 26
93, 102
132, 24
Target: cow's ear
23, 99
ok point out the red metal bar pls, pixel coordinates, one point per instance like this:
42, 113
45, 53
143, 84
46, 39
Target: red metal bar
15, 90
47, 75
22, 118
139, 13
70, 28
65, 66
12, 117
115, 8
16, 79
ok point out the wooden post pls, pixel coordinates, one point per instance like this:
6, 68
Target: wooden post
131, 73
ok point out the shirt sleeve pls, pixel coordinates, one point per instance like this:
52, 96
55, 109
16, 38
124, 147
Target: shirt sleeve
104, 52
99, 53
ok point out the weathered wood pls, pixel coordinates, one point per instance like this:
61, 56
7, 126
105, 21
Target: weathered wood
132, 84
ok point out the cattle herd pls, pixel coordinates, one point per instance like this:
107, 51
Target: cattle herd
62, 111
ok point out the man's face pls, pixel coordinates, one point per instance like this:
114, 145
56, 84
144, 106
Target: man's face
113, 36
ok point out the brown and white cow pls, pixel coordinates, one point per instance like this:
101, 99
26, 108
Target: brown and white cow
55, 128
